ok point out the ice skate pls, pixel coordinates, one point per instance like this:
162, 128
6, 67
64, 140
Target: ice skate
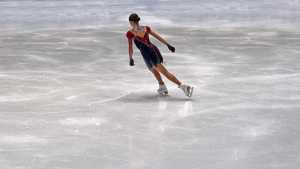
188, 90
162, 90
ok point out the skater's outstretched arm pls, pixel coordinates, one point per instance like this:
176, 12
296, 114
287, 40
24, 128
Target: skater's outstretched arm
158, 37
161, 39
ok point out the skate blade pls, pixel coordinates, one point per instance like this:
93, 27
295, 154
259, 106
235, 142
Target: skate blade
164, 94
190, 91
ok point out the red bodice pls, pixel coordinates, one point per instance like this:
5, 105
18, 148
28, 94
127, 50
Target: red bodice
145, 39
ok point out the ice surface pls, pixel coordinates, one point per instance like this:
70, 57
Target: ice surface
69, 100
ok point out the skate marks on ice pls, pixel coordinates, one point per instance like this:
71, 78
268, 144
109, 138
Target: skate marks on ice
22, 139
144, 96
110, 99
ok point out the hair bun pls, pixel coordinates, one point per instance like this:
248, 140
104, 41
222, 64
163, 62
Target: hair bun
134, 17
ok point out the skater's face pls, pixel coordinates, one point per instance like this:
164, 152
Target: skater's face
132, 23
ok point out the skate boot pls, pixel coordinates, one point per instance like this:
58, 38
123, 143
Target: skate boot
188, 90
162, 90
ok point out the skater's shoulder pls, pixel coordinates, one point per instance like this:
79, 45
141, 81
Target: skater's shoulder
129, 34
130, 31
146, 28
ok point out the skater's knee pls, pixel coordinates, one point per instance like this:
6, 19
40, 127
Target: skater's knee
165, 72
155, 72
161, 70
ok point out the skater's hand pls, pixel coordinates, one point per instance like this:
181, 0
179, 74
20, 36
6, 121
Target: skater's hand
171, 48
131, 62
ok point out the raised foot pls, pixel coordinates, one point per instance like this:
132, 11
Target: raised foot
188, 90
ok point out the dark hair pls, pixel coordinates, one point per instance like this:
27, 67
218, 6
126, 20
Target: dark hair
134, 17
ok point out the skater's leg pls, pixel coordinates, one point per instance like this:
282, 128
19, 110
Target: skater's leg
157, 76
162, 90
160, 68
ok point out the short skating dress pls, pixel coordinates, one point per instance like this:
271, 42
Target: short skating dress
149, 51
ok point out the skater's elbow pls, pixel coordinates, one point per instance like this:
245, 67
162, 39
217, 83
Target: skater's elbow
158, 37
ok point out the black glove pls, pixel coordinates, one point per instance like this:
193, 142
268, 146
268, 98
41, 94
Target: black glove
131, 62
171, 48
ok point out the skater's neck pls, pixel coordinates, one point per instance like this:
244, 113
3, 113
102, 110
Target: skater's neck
136, 26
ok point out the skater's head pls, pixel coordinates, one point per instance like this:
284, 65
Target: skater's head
134, 19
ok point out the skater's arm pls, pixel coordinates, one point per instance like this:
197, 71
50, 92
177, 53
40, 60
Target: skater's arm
129, 36
130, 49
158, 37
162, 40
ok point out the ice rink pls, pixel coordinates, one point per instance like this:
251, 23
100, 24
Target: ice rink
69, 100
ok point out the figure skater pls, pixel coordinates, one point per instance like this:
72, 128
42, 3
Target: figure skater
151, 54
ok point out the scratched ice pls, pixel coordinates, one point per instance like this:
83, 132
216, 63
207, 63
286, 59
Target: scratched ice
69, 100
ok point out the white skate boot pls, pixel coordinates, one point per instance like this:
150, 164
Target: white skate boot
188, 90
162, 90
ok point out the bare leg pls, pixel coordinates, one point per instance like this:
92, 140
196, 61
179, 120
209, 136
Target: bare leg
157, 76
160, 68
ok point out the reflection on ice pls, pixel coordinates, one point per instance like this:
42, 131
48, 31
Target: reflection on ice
186, 110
